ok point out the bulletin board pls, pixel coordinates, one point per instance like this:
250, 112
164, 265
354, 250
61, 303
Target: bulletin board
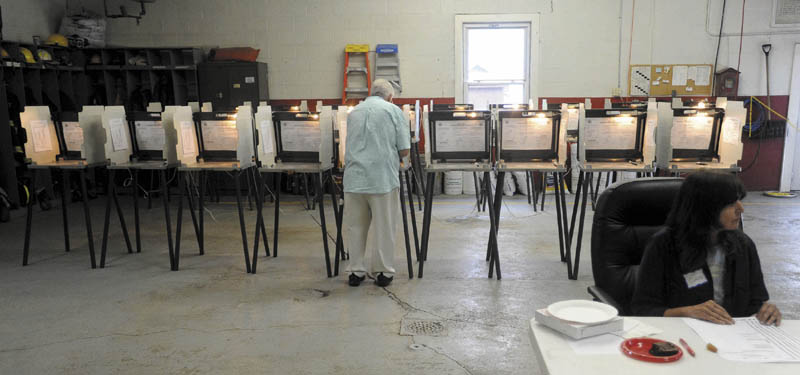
661, 80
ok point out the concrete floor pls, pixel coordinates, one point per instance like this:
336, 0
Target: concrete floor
135, 316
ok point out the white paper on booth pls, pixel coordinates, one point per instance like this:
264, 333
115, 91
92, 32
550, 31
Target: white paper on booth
527, 133
610, 133
692, 132
266, 137
572, 119
149, 135
41, 136
300, 136
220, 135
748, 340
679, 75
73, 135
460, 135
731, 130
188, 138
119, 141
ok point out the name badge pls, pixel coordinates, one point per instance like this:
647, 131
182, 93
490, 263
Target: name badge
695, 278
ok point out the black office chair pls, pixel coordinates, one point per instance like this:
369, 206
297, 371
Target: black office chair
627, 214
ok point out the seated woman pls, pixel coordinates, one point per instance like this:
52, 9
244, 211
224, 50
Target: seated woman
702, 265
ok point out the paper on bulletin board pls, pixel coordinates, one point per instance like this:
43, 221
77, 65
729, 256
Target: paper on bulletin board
460, 135
73, 135
41, 136
303, 136
680, 73
220, 135
188, 138
149, 135
119, 141
266, 137
691, 132
610, 133
731, 130
527, 133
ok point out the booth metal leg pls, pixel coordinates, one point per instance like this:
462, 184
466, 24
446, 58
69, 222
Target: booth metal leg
260, 230
106, 222
29, 218
559, 196
405, 226
173, 263
477, 191
528, 186
179, 225
579, 190
426, 223
64, 203
572, 268
200, 211
88, 217
236, 176
564, 218
136, 209
337, 215
494, 222
320, 198
544, 189
277, 214
190, 200
413, 215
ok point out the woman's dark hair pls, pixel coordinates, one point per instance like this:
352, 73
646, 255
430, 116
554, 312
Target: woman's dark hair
695, 212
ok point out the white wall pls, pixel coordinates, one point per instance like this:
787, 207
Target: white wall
22, 19
580, 49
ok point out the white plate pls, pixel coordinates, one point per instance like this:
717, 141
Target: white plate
582, 311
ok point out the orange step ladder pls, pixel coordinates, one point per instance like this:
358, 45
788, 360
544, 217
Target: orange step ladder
359, 85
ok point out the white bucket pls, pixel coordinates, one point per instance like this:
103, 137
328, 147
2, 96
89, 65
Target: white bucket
453, 183
468, 182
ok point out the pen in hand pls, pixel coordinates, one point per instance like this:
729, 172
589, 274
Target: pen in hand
688, 348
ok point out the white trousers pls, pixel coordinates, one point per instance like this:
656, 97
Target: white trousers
379, 213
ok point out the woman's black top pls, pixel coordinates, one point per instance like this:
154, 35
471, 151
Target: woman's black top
660, 282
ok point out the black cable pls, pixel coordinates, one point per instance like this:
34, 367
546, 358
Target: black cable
719, 40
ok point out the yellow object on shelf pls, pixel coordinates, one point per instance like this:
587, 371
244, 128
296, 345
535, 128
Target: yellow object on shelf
357, 48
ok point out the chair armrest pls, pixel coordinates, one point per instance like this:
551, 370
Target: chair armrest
601, 296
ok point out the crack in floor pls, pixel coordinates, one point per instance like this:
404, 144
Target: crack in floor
463, 367
411, 308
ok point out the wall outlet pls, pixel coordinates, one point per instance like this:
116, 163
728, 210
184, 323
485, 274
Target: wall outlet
616, 91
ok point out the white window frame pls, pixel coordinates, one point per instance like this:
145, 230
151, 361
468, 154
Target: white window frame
532, 56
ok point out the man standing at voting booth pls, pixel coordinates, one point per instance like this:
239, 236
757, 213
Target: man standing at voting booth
377, 137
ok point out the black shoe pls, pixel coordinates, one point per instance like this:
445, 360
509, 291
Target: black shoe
383, 281
355, 280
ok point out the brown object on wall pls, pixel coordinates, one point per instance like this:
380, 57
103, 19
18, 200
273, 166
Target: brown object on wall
726, 83
234, 54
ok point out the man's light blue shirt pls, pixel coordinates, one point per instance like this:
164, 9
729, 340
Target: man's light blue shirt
376, 131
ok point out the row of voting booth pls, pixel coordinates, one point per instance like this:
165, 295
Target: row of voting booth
189, 142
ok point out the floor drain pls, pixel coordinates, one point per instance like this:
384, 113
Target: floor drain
422, 328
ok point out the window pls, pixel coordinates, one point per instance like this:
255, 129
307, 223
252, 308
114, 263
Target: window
494, 64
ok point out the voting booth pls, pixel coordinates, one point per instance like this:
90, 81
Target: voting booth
64, 142
153, 136
700, 136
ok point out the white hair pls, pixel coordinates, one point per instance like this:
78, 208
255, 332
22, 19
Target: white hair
382, 88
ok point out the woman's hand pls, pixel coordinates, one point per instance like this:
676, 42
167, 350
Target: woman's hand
708, 310
769, 314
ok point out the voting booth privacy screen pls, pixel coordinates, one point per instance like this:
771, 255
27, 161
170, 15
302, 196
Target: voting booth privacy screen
453, 107
218, 136
460, 136
695, 134
70, 135
147, 134
528, 135
297, 136
614, 135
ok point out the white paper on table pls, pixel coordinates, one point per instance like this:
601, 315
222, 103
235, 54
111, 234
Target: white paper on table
572, 119
679, 75
460, 135
748, 340
609, 343
119, 141
149, 135
532, 133
731, 130
41, 136
73, 135
188, 138
266, 137
610, 133
220, 135
303, 136
703, 76
692, 132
